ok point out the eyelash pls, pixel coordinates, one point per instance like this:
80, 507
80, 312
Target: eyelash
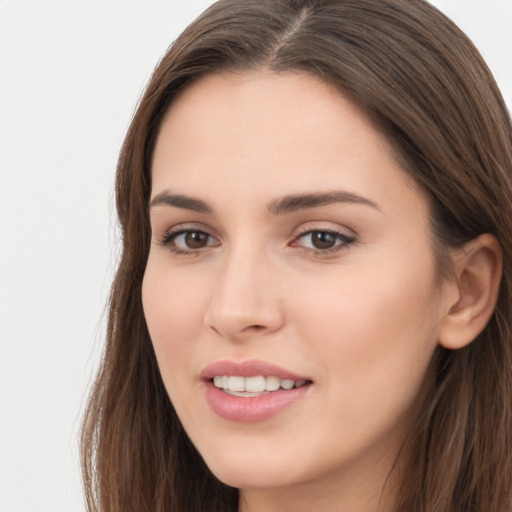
342, 241
171, 235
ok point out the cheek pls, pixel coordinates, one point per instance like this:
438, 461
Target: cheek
374, 334
173, 308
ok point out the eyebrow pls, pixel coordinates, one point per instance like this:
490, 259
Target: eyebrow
282, 206
180, 201
299, 202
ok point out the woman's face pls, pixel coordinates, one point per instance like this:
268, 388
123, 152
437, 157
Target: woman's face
288, 249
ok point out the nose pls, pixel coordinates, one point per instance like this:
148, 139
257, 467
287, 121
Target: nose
246, 298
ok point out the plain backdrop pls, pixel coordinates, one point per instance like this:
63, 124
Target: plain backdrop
71, 72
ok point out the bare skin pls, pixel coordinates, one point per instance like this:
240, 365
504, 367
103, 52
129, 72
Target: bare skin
338, 287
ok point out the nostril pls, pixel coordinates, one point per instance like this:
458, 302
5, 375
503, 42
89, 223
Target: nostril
255, 327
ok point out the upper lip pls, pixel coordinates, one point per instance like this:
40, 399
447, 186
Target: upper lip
251, 368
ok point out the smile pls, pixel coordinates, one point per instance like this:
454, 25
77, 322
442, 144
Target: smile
252, 391
253, 386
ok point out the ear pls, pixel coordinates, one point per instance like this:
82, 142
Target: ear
478, 269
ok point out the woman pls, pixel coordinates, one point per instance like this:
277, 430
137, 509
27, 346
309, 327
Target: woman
312, 307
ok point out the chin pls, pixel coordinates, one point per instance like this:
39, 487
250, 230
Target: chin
252, 474
259, 479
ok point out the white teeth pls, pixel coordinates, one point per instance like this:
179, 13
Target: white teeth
253, 386
236, 383
272, 383
287, 384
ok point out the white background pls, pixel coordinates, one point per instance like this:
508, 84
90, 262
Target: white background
71, 72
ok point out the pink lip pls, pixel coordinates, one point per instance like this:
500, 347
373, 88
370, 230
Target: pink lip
250, 409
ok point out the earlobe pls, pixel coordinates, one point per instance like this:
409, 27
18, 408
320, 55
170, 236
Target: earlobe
478, 270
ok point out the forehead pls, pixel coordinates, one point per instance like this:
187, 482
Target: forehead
242, 107
261, 133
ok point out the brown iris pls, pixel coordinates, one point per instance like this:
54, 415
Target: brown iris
323, 240
196, 239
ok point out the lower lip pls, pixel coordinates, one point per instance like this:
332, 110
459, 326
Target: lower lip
252, 409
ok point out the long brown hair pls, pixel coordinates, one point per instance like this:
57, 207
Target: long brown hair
420, 77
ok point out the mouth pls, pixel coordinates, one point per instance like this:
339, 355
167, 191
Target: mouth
259, 385
252, 391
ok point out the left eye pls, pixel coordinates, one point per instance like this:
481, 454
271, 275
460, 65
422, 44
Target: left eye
323, 240
190, 240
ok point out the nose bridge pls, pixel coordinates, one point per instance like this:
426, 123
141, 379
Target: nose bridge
244, 298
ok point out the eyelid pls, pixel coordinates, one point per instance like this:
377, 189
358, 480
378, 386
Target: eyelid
339, 234
325, 226
347, 239
165, 240
189, 226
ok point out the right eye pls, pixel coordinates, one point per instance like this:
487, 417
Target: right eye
185, 241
